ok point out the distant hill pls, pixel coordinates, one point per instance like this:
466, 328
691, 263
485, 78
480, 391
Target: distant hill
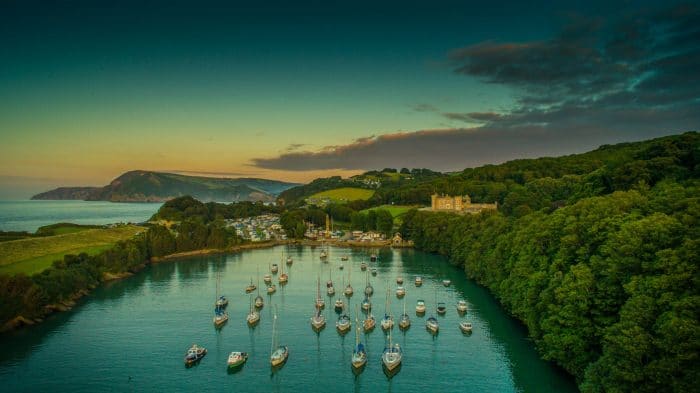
146, 186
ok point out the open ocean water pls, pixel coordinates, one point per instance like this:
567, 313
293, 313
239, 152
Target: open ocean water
29, 215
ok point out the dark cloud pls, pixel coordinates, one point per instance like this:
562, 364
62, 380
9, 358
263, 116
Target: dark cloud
598, 81
209, 173
294, 147
472, 117
641, 58
424, 108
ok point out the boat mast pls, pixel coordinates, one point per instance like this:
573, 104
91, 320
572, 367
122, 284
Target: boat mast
274, 322
357, 331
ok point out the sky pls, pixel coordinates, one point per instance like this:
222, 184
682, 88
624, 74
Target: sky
298, 90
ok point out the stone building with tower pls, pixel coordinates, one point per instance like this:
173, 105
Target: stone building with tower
459, 204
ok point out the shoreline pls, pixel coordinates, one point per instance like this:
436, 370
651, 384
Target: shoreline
20, 322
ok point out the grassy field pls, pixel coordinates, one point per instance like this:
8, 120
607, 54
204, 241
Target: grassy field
32, 255
344, 194
395, 210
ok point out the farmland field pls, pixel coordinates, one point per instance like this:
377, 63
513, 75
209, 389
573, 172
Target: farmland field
344, 194
32, 255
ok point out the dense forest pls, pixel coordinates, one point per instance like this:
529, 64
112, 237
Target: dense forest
596, 253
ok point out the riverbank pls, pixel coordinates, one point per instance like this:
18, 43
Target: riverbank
21, 321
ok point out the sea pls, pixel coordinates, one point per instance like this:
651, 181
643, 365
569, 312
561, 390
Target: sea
131, 335
28, 215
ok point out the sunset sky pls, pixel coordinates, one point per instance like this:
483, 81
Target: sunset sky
292, 92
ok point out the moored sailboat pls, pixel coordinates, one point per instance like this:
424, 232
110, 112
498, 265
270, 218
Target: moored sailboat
419, 281
369, 323
441, 308
251, 287
278, 353
392, 355
320, 303
400, 292
348, 288
343, 324
369, 290
359, 355
420, 307
432, 325
253, 316
462, 306
220, 317
274, 268
366, 304
318, 320
259, 301
339, 305
404, 321
283, 278
388, 321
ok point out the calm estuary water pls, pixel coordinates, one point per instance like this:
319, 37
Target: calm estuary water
131, 335
30, 215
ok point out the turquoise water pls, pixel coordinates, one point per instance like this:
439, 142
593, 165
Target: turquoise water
131, 335
30, 215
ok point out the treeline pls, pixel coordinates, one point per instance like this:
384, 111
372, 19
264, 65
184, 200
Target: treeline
602, 268
186, 208
389, 178
200, 228
524, 186
28, 296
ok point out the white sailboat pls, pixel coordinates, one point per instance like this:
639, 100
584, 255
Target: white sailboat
462, 306
253, 315
392, 355
320, 303
284, 277
343, 324
404, 321
348, 288
330, 289
221, 301
278, 353
420, 307
388, 321
359, 355
259, 301
400, 291
369, 290
369, 322
318, 320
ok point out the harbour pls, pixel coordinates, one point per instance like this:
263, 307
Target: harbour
132, 334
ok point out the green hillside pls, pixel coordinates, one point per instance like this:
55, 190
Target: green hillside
145, 186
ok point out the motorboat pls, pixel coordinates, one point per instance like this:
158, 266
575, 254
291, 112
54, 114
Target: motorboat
236, 359
194, 354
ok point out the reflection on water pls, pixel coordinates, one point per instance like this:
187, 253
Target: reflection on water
132, 334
